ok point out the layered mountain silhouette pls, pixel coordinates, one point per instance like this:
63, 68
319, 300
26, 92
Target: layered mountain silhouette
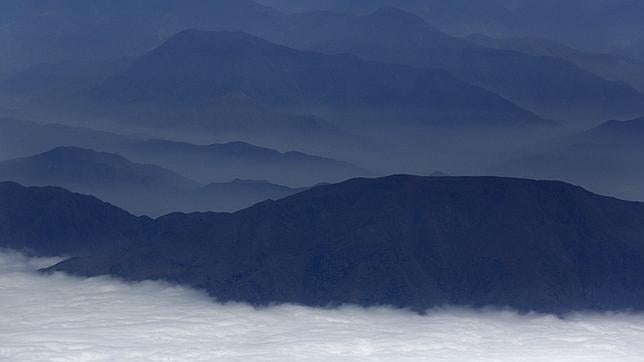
34, 32
205, 99
551, 87
608, 66
613, 132
606, 159
587, 24
198, 67
71, 165
60, 90
405, 241
141, 189
203, 163
554, 88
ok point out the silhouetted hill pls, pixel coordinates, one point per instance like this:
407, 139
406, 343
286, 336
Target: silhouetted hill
203, 163
405, 241
138, 188
69, 165
195, 67
551, 87
52, 221
629, 132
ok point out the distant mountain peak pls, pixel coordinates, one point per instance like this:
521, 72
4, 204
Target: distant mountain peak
241, 144
392, 16
84, 154
64, 166
200, 40
628, 126
391, 13
197, 67
71, 151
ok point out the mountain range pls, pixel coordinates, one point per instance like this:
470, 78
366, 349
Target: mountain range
208, 78
203, 163
549, 86
609, 66
196, 67
237, 147
60, 91
140, 189
405, 241
599, 26
552, 87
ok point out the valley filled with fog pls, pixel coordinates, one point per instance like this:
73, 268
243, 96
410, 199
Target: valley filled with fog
61, 318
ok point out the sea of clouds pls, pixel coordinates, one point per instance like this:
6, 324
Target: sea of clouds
60, 318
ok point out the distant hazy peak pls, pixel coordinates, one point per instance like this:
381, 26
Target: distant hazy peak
636, 124
391, 14
196, 40
85, 154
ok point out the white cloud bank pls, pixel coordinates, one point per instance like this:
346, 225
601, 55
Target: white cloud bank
59, 318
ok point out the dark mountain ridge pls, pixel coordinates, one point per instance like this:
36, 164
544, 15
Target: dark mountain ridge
405, 241
51, 221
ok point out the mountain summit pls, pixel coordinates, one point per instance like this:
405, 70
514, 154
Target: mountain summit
199, 67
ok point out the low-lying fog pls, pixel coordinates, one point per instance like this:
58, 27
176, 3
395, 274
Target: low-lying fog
60, 318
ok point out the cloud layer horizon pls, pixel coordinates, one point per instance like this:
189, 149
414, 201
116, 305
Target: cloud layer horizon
61, 318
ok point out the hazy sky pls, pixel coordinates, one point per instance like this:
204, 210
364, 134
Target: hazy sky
59, 318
